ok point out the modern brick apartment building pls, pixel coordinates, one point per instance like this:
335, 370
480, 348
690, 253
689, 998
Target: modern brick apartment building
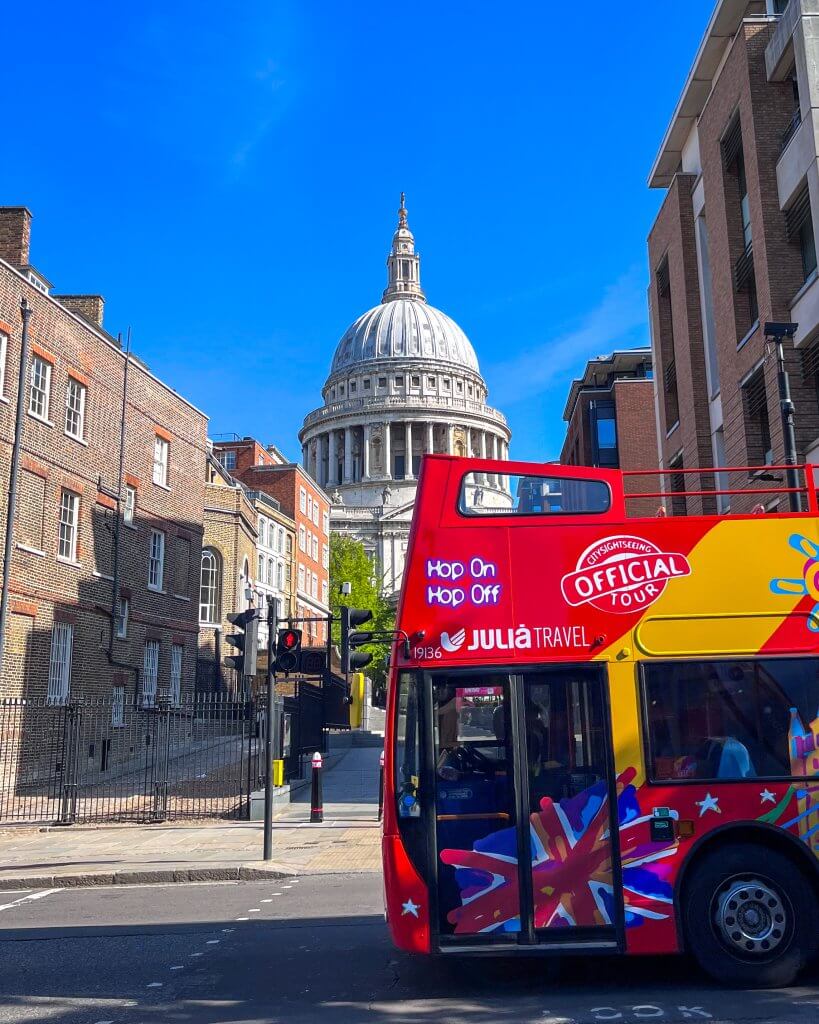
734, 246
611, 421
303, 501
71, 631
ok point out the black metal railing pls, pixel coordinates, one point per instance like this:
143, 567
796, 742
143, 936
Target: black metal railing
792, 129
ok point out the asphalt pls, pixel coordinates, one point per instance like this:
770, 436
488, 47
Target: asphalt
315, 948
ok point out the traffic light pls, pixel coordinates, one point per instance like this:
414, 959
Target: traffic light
288, 650
246, 641
351, 659
313, 662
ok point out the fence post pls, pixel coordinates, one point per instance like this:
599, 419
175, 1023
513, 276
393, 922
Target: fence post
71, 739
162, 738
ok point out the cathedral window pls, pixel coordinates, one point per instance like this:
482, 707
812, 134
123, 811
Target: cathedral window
382, 382
352, 387
431, 382
399, 382
459, 386
447, 384
367, 384
416, 382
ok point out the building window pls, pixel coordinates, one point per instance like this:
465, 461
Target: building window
280, 546
156, 561
324, 591
227, 460
430, 382
757, 423
459, 386
260, 577
262, 532
314, 585
75, 409
382, 382
367, 384
289, 545
399, 381
280, 576
677, 485
302, 537
604, 434
315, 548
799, 229
447, 384
150, 673
69, 515
301, 577
271, 572
666, 332
326, 523
4, 347
309, 506
176, 673
59, 666
40, 392
325, 556
415, 381
210, 587
161, 450
123, 611
303, 501
130, 504
118, 707
400, 467
353, 387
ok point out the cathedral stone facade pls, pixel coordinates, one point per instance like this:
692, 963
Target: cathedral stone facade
404, 381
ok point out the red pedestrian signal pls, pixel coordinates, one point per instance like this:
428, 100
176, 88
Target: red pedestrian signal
288, 650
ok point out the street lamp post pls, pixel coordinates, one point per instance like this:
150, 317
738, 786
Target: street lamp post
776, 333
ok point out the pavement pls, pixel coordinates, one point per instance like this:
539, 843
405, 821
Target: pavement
315, 948
347, 841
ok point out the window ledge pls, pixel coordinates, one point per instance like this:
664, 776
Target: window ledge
671, 430
164, 487
209, 625
68, 561
754, 328
29, 550
102, 576
79, 440
156, 590
4, 400
131, 526
40, 419
180, 597
809, 280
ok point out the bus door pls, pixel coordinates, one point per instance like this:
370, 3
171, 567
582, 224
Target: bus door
523, 799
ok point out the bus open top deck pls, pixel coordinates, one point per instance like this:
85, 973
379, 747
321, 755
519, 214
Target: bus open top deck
605, 736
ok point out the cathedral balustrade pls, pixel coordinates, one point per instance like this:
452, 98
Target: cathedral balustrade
405, 404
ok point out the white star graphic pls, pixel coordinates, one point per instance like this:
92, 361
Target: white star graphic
767, 797
410, 908
710, 803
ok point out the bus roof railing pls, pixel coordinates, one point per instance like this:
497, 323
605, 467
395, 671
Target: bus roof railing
755, 474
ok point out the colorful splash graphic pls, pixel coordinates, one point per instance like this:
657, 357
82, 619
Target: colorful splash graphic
808, 585
571, 867
799, 808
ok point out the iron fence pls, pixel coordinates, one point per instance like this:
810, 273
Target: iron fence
99, 759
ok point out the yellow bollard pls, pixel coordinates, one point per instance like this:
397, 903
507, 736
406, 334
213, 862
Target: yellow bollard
278, 773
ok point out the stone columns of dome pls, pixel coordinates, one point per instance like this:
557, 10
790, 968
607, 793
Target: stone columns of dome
304, 464
324, 459
388, 450
408, 474
430, 439
348, 455
450, 438
332, 460
365, 454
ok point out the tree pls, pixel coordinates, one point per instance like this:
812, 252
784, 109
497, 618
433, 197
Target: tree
350, 563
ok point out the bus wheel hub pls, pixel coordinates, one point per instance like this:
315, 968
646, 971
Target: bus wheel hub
750, 916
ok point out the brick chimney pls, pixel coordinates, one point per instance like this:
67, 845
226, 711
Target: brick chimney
89, 306
15, 235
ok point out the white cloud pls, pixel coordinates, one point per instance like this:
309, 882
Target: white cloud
618, 321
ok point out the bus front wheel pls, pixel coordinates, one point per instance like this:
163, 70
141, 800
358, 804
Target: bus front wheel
750, 916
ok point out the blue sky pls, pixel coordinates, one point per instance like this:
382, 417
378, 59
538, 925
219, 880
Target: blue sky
227, 176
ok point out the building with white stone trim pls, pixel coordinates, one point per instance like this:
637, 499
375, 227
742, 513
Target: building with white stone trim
404, 381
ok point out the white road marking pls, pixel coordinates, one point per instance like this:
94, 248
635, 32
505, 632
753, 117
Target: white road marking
255, 910
212, 942
267, 901
154, 984
29, 899
197, 954
242, 918
103, 1022
227, 931
178, 967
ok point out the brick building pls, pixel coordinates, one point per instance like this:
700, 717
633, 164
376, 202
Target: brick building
306, 504
83, 522
734, 246
227, 569
276, 565
611, 422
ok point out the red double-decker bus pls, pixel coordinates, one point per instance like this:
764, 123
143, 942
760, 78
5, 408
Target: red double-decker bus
605, 737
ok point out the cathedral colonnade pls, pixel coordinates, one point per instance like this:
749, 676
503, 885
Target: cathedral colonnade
380, 450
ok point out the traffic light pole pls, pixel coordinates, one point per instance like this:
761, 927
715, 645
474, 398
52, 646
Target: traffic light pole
270, 746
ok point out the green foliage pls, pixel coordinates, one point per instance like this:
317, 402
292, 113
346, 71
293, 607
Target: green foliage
350, 563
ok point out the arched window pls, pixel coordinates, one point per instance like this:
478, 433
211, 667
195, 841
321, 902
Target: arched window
244, 586
210, 587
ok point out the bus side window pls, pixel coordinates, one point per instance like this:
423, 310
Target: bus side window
407, 748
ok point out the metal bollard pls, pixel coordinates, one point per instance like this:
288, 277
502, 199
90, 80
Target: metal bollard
381, 786
316, 802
